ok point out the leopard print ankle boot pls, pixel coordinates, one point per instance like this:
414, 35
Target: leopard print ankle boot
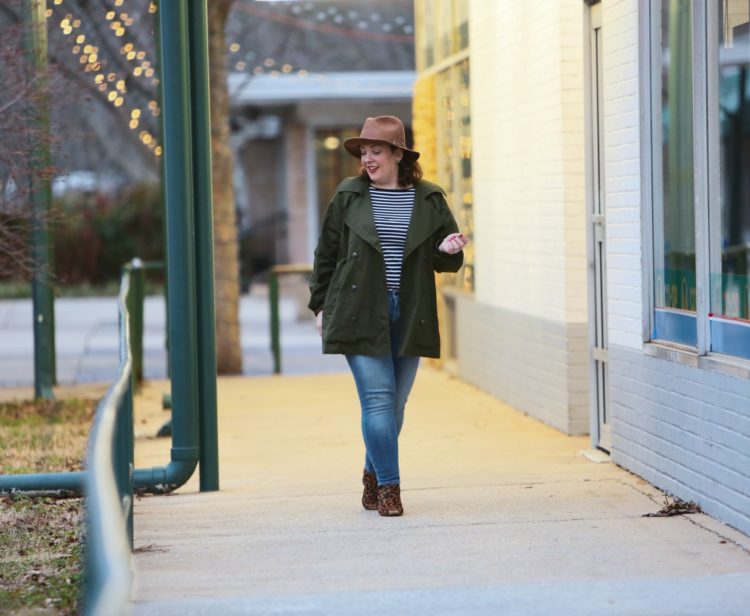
370, 494
389, 500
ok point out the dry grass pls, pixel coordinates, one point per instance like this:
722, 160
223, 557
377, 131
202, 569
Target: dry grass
40, 538
44, 436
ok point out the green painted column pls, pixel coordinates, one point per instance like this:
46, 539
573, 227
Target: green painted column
200, 101
35, 44
178, 180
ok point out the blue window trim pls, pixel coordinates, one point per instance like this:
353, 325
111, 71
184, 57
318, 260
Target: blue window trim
676, 326
731, 337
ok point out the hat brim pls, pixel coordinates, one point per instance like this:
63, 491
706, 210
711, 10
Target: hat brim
352, 144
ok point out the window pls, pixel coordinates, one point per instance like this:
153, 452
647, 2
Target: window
443, 30
674, 216
729, 201
701, 174
454, 158
332, 163
442, 100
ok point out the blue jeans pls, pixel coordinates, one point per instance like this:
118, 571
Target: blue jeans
383, 384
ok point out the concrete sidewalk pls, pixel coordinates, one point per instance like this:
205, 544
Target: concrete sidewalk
503, 516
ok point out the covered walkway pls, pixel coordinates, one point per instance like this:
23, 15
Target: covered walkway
503, 516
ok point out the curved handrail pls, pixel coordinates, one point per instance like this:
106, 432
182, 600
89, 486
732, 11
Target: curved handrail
109, 481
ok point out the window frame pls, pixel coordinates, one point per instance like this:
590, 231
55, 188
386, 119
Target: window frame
707, 182
675, 325
719, 327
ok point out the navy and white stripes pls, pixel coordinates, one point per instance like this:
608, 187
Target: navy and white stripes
391, 209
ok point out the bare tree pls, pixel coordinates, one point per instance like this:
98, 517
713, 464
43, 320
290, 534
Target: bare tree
20, 146
226, 258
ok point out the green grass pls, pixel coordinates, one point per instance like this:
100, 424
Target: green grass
41, 537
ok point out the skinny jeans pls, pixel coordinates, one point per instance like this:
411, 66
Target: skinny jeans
383, 384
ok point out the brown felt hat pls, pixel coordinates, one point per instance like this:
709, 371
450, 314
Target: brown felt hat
381, 129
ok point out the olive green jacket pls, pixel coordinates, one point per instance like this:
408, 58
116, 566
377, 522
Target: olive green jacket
348, 280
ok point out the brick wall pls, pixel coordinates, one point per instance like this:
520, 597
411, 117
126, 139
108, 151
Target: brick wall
523, 335
534, 365
528, 157
685, 430
622, 172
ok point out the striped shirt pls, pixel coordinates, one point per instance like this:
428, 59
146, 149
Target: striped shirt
391, 209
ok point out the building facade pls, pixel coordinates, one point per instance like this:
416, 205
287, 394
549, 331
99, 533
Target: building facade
608, 198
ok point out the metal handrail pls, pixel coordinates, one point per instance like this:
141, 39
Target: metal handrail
109, 478
107, 481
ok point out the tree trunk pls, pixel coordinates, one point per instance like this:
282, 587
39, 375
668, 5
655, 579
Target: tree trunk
226, 260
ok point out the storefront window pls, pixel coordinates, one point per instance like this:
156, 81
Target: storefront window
444, 110
674, 209
454, 158
443, 30
332, 162
730, 250
424, 39
715, 95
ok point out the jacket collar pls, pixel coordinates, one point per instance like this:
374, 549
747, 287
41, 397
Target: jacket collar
360, 219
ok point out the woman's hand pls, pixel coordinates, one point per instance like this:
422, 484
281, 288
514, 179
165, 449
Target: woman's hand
319, 322
453, 243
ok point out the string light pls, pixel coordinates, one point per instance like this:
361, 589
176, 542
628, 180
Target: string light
110, 85
119, 19
350, 23
353, 23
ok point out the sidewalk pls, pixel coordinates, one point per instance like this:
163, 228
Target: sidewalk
503, 516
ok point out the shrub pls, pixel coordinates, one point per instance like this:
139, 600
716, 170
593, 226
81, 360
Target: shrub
94, 236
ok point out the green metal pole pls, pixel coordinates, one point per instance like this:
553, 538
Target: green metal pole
204, 244
160, 98
35, 43
178, 181
273, 295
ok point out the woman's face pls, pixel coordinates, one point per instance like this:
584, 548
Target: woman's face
381, 163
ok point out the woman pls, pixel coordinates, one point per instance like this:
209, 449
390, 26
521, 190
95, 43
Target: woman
384, 235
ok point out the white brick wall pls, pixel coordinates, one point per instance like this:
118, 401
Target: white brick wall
622, 171
528, 157
527, 362
685, 430
523, 336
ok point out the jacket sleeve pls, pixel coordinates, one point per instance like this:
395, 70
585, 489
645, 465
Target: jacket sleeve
442, 261
325, 256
